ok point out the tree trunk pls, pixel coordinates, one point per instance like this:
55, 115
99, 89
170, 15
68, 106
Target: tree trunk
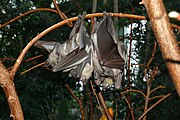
8, 86
104, 2
165, 38
115, 10
94, 6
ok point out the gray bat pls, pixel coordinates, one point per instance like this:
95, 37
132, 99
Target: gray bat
73, 55
109, 55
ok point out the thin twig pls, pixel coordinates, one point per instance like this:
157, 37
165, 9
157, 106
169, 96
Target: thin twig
26, 13
91, 106
13, 59
175, 26
155, 97
152, 56
157, 88
138, 91
169, 94
61, 14
78, 5
33, 68
29, 59
104, 106
147, 97
129, 106
148, 81
95, 95
77, 100
99, 105
129, 61
7, 59
116, 110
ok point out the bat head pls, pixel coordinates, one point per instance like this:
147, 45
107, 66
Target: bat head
54, 56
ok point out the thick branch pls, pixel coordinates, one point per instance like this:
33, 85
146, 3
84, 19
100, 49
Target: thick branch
165, 38
8, 86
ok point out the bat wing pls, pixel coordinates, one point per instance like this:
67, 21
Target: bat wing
106, 46
74, 58
47, 45
78, 32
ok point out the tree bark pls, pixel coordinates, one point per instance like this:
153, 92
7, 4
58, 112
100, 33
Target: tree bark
7, 84
104, 2
115, 10
165, 38
94, 6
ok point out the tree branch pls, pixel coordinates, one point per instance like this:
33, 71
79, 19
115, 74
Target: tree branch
169, 94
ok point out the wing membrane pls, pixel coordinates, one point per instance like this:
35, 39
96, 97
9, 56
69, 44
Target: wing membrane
107, 48
74, 58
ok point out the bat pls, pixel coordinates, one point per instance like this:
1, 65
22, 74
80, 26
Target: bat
73, 55
78, 41
109, 51
109, 54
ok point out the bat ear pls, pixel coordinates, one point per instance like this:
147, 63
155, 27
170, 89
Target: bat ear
47, 45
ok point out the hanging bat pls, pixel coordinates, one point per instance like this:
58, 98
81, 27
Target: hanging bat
73, 55
109, 50
78, 42
109, 53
